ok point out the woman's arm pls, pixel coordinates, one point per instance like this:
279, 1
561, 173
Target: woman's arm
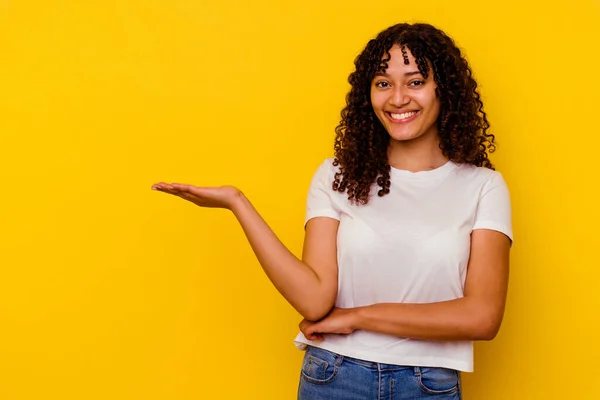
476, 316
310, 284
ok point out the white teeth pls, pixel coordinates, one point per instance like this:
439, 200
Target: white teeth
403, 115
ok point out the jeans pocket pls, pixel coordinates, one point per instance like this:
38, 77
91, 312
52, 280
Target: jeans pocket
320, 366
437, 380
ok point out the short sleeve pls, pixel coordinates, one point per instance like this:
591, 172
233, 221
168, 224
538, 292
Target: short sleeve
319, 202
494, 209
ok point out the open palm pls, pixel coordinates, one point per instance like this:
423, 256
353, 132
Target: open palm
215, 197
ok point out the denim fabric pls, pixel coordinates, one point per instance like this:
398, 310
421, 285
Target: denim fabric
329, 376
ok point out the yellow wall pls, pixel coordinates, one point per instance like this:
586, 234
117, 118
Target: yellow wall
111, 291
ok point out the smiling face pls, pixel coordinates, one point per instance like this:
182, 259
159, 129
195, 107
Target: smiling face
404, 101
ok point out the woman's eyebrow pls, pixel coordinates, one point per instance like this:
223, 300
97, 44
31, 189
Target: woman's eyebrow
409, 73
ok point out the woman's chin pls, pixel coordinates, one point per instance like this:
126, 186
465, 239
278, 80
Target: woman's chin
403, 137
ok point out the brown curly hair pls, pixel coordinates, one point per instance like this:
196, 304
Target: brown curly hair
361, 141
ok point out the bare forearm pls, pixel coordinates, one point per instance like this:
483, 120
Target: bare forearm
295, 280
460, 319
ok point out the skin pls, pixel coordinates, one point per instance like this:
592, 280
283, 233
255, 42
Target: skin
414, 146
310, 284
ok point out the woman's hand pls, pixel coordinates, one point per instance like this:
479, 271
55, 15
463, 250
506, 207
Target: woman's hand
339, 321
214, 197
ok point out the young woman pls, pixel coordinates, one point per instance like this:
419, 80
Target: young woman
408, 230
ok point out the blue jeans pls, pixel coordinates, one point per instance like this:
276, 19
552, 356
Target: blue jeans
329, 376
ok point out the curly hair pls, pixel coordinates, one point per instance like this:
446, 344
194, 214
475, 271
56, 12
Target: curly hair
361, 141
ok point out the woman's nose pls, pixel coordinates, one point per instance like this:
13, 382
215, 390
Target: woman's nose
399, 97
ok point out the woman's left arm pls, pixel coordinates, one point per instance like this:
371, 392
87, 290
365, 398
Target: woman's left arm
476, 316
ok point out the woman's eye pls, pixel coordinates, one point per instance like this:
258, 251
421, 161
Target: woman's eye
382, 84
417, 83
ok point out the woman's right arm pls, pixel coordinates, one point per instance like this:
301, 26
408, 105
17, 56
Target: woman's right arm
310, 284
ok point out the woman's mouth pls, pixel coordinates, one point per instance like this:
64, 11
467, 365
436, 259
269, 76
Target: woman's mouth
403, 117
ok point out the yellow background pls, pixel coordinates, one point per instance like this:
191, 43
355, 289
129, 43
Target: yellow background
111, 291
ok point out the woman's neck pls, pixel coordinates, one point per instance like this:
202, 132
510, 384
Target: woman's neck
413, 156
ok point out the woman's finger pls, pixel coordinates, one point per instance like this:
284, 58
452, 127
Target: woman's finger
303, 329
174, 189
191, 189
183, 187
307, 329
316, 337
163, 187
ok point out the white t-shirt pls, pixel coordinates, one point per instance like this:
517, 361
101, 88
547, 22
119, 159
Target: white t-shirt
409, 246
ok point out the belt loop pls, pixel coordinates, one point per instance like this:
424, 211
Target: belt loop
417, 371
